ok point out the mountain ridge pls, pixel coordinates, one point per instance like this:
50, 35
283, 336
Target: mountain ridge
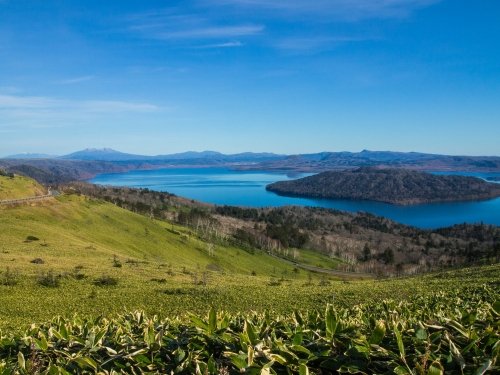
324, 161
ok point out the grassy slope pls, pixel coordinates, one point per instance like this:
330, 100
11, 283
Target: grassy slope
315, 259
19, 187
75, 231
80, 231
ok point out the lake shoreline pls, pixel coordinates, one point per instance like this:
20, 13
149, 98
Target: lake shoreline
224, 186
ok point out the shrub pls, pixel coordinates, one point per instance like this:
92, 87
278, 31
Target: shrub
31, 238
49, 279
202, 280
274, 282
4, 173
116, 262
9, 278
177, 291
38, 261
77, 274
106, 280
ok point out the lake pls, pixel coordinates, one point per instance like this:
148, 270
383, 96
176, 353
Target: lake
247, 188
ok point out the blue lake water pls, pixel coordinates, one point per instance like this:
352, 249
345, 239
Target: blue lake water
241, 188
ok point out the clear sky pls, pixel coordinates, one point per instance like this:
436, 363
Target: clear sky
294, 76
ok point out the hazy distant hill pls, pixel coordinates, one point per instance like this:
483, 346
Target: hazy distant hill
397, 186
53, 171
103, 154
28, 155
108, 154
325, 161
250, 157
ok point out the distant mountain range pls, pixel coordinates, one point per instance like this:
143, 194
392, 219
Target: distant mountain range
317, 161
108, 154
89, 162
325, 161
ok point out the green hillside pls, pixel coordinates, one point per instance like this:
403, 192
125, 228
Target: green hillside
76, 240
19, 187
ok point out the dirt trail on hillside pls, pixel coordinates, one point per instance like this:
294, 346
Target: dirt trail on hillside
342, 274
38, 198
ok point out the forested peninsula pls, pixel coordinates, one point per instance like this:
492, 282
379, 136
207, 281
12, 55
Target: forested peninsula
395, 186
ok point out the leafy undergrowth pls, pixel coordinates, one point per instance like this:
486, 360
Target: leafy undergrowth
443, 332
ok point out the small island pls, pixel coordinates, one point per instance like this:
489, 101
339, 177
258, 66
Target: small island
395, 186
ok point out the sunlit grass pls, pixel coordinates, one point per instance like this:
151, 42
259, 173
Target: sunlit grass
19, 187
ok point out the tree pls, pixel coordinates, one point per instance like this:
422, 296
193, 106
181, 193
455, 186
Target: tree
367, 253
388, 256
210, 249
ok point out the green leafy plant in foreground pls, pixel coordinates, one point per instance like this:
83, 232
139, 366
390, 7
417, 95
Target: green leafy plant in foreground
437, 333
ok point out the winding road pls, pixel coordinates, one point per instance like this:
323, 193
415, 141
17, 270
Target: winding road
331, 272
36, 198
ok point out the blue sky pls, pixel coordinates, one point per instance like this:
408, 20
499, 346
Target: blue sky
295, 76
